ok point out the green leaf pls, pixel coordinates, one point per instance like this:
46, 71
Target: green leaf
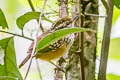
50, 38
116, 15
7, 78
3, 21
4, 42
9, 68
22, 20
116, 3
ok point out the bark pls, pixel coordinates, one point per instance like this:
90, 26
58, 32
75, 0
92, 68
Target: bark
73, 66
106, 43
61, 63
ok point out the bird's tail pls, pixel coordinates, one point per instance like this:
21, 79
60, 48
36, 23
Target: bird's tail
25, 60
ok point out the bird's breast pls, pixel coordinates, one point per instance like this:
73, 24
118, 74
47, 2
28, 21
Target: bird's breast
51, 55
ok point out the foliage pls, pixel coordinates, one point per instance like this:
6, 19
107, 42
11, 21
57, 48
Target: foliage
116, 3
58, 35
9, 68
3, 22
22, 20
116, 15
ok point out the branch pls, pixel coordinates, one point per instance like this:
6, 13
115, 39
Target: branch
105, 43
81, 40
33, 9
35, 41
105, 5
16, 35
62, 14
57, 67
94, 15
38, 68
31, 5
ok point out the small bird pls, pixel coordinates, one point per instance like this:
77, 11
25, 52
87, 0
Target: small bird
57, 48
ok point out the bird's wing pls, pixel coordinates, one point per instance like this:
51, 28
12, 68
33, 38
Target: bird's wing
31, 48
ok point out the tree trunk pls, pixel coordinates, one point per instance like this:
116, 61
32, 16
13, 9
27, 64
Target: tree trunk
73, 68
63, 13
89, 43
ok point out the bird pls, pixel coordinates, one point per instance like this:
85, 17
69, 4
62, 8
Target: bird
56, 49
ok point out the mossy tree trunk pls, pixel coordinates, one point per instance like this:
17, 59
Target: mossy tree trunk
89, 42
63, 13
73, 61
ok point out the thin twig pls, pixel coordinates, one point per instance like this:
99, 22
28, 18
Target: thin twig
16, 35
57, 66
66, 75
31, 5
51, 13
81, 41
35, 41
38, 68
33, 9
28, 69
94, 15
42, 29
